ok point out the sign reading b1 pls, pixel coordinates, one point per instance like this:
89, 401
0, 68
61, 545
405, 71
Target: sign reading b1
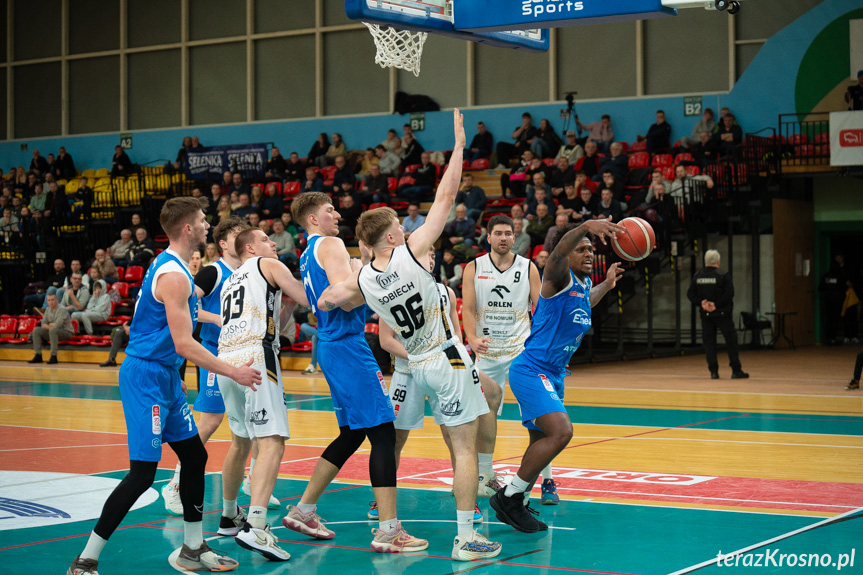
692, 106
418, 121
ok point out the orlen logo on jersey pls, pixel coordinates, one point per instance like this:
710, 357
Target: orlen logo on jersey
385, 281
536, 7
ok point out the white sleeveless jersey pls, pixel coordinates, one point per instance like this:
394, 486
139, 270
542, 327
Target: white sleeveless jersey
406, 297
402, 365
250, 310
502, 305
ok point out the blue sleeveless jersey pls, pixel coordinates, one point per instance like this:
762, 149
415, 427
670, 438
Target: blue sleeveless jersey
332, 325
149, 336
558, 326
213, 304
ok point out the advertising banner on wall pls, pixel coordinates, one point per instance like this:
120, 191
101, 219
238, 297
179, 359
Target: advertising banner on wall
210, 163
846, 138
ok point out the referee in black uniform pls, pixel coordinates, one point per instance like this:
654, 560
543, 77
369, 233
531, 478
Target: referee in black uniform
713, 292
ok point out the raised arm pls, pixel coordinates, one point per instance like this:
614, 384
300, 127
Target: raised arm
556, 275
427, 234
599, 291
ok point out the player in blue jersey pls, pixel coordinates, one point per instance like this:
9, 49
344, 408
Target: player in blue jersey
154, 402
562, 317
360, 395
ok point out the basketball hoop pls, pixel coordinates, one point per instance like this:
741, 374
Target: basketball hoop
398, 48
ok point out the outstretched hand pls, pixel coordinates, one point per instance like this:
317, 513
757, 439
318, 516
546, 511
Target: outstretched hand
614, 274
603, 228
366, 252
458, 128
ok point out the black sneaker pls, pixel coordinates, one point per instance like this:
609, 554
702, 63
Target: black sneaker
36, 359
511, 510
52, 360
739, 375
83, 567
853, 385
714, 375
535, 513
108, 363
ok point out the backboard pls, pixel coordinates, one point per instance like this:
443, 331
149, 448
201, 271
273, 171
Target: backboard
437, 16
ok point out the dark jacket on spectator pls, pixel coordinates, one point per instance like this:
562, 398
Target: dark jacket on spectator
141, 253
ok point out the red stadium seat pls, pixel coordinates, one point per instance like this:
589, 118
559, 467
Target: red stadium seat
302, 346
684, 157
291, 188
377, 205
480, 164
399, 205
278, 187
372, 328
26, 326
120, 271
535, 252
328, 172
548, 161
822, 138
459, 303
693, 170
668, 173
465, 165
134, 276
639, 160
411, 168
638, 146
624, 146
122, 289
406, 180
161, 239
662, 160
392, 184
8, 329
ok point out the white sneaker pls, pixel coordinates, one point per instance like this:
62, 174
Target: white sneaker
261, 541
171, 495
229, 527
309, 370
246, 488
477, 547
487, 487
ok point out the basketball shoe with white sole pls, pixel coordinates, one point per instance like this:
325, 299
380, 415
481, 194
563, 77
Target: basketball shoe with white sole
477, 547
261, 541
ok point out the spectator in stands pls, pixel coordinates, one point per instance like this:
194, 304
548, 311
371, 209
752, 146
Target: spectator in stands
567, 202
215, 196
119, 338
16, 206
343, 173
523, 135
656, 179
56, 196
276, 166
706, 151
120, 248
291, 227
586, 206
540, 196
600, 133
481, 145
462, 230
451, 272
295, 168
265, 227
538, 226
413, 220
538, 181
56, 326
245, 207
30, 188
121, 165
227, 181
608, 206
53, 284
377, 185
407, 130
335, 150
9, 224
388, 162
51, 160
424, 180
521, 241
30, 229
547, 142
256, 199
309, 331
98, 307
617, 162
610, 182
235, 200
197, 193
254, 219
285, 247
389, 143
142, 251
211, 254
136, 224
541, 260
20, 176
398, 150
106, 266
658, 135
589, 163
350, 212
91, 277
196, 262
64, 166
729, 134
75, 267
707, 123
272, 205
473, 197
38, 164
854, 93
313, 182
238, 184
77, 295
682, 181
515, 180
561, 221
660, 210
413, 151
223, 210
319, 149
571, 150
561, 175
369, 160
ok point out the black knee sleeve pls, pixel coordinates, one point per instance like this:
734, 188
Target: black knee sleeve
137, 481
382, 461
343, 446
193, 461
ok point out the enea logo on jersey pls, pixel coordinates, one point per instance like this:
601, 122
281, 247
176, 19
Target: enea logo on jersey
537, 7
384, 281
580, 316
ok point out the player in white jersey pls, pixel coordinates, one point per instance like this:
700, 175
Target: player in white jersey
498, 290
400, 289
252, 310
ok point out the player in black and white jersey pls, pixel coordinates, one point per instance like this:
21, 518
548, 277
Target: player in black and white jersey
399, 288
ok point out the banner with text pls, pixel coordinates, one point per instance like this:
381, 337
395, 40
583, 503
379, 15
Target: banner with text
210, 163
846, 138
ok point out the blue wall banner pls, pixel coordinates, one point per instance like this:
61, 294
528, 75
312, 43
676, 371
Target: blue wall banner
210, 163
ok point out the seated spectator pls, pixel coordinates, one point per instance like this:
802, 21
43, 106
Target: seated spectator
56, 325
520, 241
276, 166
617, 162
195, 262
75, 267
239, 185
121, 165
272, 205
481, 145
540, 196
589, 163
609, 182
561, 221
335, 150
707, 123
568, 201
537, 227
107, 268
658, 135
407, 131
245, 207
213, 200
9, 223
538, 182
313, 182
40, 200
413, 151
235, 200
660, 210
53, 284
264, 226
223, 210
136, 224
656, 179
608, 206
451, 272
254, 219
319, 149
119, 338
343, 173
291, 227
424, 180
77, 295
350, 212
309, 332
285, 247
571, 150
473, 197
142, 251
523, 136
369, 160
600, 133
516, 212
227, 182
38, 164
91, 277
547, 142
462, 230
211, 254
389, 144
64, 166
182, 157
388, 162
295, 168
398, 150
541, 260
256, 198
98, 307
683, 182
729, 135
706, 151
377, 185
561, 175
514, 181
56, 196
413, 220
586, 206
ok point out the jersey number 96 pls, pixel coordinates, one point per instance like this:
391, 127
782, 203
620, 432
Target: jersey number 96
409, 316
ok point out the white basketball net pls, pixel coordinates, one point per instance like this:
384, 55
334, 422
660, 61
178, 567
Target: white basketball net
398, 48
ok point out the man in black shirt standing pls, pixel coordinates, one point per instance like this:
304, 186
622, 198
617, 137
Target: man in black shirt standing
713, 292
854, 93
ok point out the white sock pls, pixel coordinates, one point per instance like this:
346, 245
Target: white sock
229, 508
193, 534
306, 508
389, 526
546, 472
251, 466
485, 468
94, 547
465, 523
176, 479
257, 517
517, 485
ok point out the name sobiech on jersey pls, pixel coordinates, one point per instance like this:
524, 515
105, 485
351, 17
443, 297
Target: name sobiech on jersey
397, 292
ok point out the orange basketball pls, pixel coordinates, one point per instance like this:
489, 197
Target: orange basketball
636, 242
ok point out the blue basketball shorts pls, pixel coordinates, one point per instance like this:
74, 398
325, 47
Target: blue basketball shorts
537, 391
209, 398
155, 408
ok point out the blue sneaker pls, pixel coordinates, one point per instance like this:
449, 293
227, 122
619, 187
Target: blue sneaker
549, 493
373, 511
477, 514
